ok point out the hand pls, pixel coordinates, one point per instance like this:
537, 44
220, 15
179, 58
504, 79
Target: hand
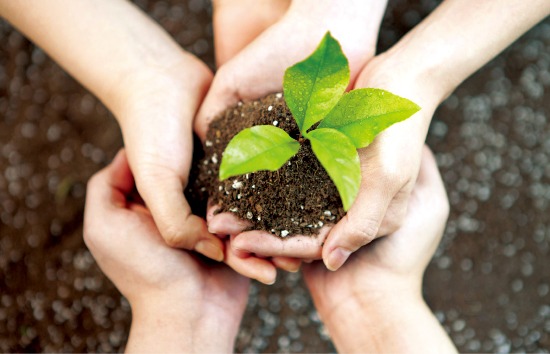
148, 82
156, 122
378, 291
258, 70
177, 299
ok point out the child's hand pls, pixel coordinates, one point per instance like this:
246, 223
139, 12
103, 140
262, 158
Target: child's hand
179, 302
259, 68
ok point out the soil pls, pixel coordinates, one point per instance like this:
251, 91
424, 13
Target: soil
297, 199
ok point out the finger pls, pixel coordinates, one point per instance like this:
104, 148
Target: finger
359, 226
109, 187
227, 224
163, 193
266, 244
287, 263
119, 174
106, 194
431, 197
231, 36
252, 267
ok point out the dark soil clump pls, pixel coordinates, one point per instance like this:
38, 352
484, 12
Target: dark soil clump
299, 198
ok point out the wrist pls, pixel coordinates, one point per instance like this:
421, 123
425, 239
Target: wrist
181, 324
366, 322
179, 82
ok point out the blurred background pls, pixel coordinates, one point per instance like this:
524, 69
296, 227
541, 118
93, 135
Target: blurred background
489, 283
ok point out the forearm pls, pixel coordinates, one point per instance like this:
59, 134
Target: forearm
389, 324
108, 45
459, 37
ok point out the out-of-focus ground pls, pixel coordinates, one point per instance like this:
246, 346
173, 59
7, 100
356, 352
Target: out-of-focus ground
489, 283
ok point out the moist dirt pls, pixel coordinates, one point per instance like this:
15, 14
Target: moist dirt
297, 199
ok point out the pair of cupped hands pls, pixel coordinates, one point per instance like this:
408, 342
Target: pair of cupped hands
144, 234
140, 228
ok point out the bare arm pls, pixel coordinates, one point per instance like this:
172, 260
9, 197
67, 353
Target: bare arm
150, 84
104, 44
458, 38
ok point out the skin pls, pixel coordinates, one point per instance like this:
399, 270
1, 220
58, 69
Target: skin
147, 81
425, 67
253, 18
258, 70
379, 288
178, 299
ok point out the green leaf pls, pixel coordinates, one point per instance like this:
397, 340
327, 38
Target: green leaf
339, 157
363, 113
313, 87
262, 147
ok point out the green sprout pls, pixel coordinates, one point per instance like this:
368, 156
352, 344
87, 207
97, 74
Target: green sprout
314, 90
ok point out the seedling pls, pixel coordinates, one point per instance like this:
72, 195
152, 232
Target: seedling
314, 90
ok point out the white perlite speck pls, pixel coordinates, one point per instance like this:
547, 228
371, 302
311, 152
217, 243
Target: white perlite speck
275, 122
215, 158
279, 95
208, 143
249, 215
327, 213
269, 108
284, 233
237, 184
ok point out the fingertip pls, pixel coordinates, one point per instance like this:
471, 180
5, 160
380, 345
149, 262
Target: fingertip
226, 224
251, 266
211, 249
288, 264
336, 258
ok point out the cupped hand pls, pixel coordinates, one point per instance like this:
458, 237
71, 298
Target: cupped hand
258, 70
156, 120
374, 302
121, 234
394, 263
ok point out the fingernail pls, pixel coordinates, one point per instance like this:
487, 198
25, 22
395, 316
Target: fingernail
269, 282
295, 269
210, 250
337, 258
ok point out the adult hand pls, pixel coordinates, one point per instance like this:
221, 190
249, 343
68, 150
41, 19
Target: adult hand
156, 121
148, 82
179, 302
258, 70
374, 302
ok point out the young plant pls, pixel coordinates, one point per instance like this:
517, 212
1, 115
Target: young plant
314, 90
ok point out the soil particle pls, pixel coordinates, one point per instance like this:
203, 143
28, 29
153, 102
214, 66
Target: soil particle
299, 198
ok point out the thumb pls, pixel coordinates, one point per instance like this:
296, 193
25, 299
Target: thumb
162, 192
358, 227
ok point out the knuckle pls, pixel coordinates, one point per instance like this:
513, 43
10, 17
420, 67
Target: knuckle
89, 236
364, 233
171, 236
